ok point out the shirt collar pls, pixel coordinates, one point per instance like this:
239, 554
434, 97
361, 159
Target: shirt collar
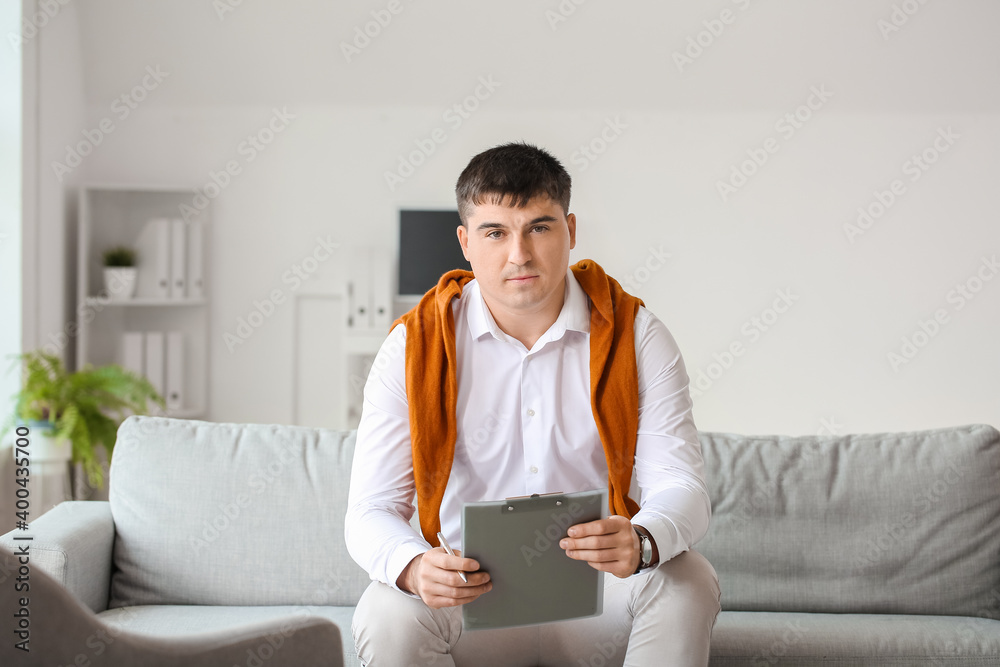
574, 316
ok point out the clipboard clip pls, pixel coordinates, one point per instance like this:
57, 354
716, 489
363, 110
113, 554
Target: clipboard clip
534, 496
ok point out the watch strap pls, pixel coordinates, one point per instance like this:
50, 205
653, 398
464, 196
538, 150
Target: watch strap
643, 548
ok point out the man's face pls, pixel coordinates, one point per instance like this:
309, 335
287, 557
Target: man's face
519, 255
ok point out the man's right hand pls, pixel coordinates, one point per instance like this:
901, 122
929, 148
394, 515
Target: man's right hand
433, 575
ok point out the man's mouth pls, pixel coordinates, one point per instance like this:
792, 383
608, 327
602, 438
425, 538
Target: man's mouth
521, 279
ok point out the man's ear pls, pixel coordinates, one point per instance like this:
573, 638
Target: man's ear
463, 240
571, 224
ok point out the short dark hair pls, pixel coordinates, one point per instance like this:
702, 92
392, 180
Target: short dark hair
512, 174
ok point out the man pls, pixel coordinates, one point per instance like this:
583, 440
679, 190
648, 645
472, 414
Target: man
530, 377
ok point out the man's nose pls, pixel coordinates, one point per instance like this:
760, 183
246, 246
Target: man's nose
520, 251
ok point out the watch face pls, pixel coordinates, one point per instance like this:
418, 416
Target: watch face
647, 551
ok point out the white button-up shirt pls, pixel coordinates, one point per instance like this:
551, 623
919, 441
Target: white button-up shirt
525, 425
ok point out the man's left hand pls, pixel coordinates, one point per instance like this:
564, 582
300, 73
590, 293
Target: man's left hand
610, 545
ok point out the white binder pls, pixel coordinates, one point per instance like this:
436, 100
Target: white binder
381, 291
154, 360
178, 257
132, 352
175, 370
359, 289
161, 258
195, 260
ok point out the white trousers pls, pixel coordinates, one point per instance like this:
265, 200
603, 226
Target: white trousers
662, 617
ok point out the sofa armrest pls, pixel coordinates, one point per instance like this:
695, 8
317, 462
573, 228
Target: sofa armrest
73, 543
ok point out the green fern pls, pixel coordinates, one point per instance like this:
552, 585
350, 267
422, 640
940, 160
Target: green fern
85, 407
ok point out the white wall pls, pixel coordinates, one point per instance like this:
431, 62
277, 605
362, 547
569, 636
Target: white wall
54, 87
822, 365
10, 206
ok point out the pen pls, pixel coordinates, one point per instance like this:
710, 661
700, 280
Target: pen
447, 547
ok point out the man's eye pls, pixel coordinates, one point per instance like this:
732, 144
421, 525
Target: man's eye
493, 235
539, 228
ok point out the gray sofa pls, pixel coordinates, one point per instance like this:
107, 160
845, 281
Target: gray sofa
853, 550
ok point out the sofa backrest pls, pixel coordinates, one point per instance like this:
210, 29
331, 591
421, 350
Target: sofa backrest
905, 523
231, 514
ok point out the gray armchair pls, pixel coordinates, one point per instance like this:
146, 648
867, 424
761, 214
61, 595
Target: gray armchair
51, 626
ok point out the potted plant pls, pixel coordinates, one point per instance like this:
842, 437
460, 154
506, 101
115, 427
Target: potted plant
120, 272
83, 409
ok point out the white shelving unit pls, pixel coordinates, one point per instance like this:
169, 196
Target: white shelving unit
360, 350
330, 362
118, 215
338, 330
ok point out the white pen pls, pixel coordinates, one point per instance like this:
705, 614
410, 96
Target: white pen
447, 547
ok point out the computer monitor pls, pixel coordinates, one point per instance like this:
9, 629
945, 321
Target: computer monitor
428, 248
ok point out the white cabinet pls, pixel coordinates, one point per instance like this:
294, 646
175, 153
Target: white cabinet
359, 356
166, 323
339, 329
369, 318
331, 362
369, 291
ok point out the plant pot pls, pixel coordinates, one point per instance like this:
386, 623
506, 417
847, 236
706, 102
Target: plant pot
120, 282
48, 466
42, 447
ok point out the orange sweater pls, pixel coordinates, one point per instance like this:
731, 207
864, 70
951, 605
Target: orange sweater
431, 365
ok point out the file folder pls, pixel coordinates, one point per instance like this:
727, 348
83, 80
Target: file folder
178, 256
196, 258
359, 290
381, 292
154, 360
132, 352
175, 371
161, 256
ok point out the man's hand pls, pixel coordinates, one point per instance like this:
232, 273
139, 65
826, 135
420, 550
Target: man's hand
610, 545
433, 575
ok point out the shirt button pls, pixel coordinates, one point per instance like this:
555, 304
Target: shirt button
533, 469
531, 413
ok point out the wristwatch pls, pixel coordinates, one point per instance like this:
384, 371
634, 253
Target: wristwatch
645, 551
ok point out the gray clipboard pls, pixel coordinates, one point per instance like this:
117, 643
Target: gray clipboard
534, 581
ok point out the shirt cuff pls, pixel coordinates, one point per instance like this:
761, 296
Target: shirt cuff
664, 534
400, 558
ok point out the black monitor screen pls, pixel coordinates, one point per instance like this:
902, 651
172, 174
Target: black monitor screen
428, 248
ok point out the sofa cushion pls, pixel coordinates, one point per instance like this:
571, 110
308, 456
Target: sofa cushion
231, 514
811, 640
739, 638
903, 523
